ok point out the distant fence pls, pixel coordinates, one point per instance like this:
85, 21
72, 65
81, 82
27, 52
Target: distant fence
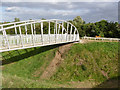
101, 38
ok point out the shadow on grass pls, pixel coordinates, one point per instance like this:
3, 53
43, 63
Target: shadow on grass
110, 83
27, 53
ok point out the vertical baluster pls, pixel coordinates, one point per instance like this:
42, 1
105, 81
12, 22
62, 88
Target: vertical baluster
59, 32
34, 33
6, 40
34, 29
71, 33
16, 39
77, 35
21, 38
62, 31
1, 39
56, 32
49, 32
33, 41
74, 35
0, 42
42, 33
59, 29
26, 32
67, 32
15, 28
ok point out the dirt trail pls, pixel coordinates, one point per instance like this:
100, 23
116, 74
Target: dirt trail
51, 69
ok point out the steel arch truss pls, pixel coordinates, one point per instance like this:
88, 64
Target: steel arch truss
34, 33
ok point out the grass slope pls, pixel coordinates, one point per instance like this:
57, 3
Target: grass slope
24, 63
96, 62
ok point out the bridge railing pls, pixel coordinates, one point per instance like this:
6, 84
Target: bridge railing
63, 32
101, 38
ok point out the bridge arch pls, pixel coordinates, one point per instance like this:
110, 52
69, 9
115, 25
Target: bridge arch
33, 33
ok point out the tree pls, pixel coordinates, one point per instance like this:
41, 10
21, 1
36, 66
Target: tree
78, 20
30, 19
16, 19
43, 19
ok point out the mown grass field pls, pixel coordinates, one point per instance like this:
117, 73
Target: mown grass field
84, 65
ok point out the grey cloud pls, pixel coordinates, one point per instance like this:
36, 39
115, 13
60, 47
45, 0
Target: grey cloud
60, 5
89, 11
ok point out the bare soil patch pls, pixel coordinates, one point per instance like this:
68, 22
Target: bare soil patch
51, 69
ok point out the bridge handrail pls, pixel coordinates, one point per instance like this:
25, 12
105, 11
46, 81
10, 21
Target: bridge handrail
28, 22
24, 25
34, 21
15, 22
102, 38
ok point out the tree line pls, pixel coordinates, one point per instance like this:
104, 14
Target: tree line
102, 28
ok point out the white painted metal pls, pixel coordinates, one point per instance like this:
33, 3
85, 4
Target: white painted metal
71, 33
100, 38
26, 32
15, 29
21, 36
42, 32
59, 29
67, 31
33, 41
56, 31
49, 31
62, 30
34, 29
14, 42
6, 39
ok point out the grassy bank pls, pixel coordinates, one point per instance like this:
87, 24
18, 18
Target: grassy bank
97, 61
83, 65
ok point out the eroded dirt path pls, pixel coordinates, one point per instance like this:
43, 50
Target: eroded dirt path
51, 69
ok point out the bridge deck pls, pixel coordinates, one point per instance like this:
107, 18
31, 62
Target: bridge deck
15, 41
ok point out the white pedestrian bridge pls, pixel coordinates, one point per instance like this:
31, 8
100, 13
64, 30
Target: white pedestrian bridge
35, 33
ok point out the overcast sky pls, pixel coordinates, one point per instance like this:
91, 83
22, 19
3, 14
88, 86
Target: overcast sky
89, 10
